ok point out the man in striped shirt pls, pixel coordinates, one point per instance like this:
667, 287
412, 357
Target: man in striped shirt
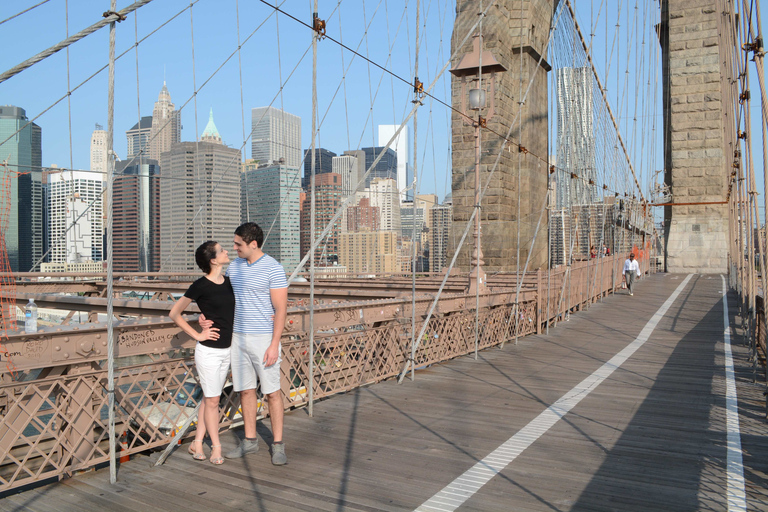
261, 303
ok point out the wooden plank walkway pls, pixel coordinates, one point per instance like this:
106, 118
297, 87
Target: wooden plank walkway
652, 436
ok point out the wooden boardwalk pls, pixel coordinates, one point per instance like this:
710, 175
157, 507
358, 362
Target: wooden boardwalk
651, 437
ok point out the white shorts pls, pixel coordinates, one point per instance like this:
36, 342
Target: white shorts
247, 363
212, 368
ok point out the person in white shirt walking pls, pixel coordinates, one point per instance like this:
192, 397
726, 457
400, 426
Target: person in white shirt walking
631, 269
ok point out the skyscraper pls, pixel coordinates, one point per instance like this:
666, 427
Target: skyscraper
383, 194
348, 166
75, 217
138, 137
327, 202
442, 219
99, 153
575, 138
166, 125
386, 168
136, 216
275, 136
400, 145
323, 164
23, 154
199, 198
270, 198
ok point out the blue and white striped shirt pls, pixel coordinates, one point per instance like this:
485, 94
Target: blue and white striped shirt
251, 284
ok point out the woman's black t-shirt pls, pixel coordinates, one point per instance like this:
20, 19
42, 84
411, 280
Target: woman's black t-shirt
217, 303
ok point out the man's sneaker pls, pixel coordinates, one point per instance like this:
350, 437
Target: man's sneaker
247, 446
278, 454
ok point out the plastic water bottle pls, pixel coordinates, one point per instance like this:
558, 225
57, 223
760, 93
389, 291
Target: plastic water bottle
30, 317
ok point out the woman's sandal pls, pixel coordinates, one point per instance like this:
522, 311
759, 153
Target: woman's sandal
218, 460
195, 454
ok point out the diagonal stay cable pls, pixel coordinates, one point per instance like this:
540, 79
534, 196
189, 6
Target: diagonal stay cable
482, 193
97, 72
346, 202
25, 11
110, 17
140, 153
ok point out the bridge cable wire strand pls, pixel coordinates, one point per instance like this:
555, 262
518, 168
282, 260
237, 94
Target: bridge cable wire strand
752, 208
230, 165
336, 216
621, 141
312, 221
508, 139
416, 99
96, 73
139, 155
385, 70
469, 223
111, 17
69, 119
327, 111
344, 205
110, 259
25, 11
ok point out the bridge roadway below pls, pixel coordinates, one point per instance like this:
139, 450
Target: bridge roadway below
651, 436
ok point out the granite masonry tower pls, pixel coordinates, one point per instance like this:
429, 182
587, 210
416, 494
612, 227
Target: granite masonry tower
509, 27
698, 144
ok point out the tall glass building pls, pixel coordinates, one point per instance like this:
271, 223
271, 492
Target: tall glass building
138, 138
269, 196
21, 150
386, 168
136, 214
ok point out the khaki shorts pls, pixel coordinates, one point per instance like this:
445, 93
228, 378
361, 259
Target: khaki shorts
248, 368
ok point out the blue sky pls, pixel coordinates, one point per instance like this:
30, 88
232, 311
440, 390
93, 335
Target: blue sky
167, 55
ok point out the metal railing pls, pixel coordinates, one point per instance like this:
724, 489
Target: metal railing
53, 420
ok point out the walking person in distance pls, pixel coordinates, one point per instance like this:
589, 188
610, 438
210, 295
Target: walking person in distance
631, 269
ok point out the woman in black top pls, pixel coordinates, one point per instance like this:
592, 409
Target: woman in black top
216, 300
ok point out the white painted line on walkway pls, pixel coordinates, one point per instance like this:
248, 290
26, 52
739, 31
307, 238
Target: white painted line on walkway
516, 444
737, 498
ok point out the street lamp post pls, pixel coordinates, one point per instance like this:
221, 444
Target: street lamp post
472, 66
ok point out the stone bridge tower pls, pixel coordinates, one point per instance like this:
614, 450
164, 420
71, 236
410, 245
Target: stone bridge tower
511, 25
699, 142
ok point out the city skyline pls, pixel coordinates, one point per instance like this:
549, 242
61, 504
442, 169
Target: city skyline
349, 121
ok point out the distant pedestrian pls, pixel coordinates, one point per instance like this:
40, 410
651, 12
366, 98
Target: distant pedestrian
606, 251
261, 293
593, 252
216, 300
631, 269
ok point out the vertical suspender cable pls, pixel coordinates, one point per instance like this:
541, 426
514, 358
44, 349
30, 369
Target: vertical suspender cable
312, 213
110, 316
478, 134
516, 305
416, 100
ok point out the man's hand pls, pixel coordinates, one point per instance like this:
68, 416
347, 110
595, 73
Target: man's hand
271, 355
205, 323
209, 333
